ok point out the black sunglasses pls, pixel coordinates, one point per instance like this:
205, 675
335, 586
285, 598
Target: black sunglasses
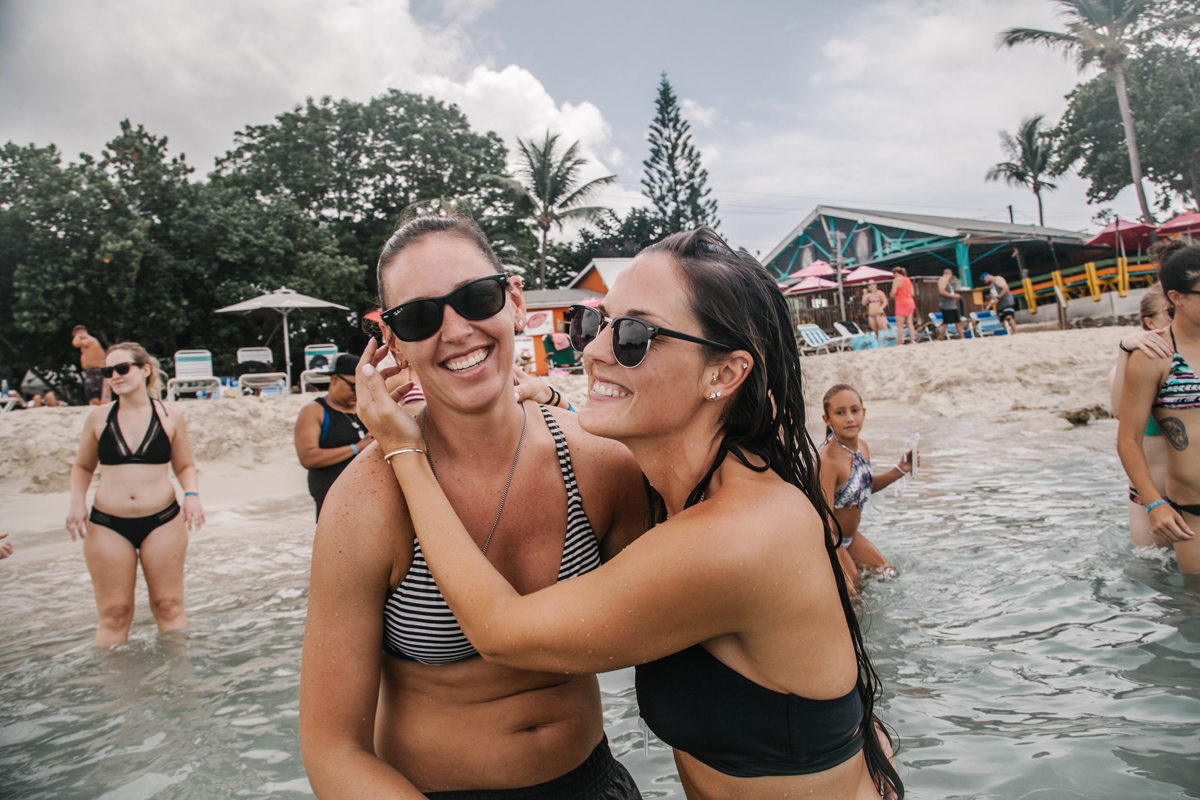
121, 369
350, 383
420, 319
631, 336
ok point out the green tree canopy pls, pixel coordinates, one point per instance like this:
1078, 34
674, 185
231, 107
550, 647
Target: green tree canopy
674, 180
1164, 93
551, 192
1030, 160
358, 167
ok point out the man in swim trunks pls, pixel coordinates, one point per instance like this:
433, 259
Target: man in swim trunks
948, 304
91, 359
1002, 300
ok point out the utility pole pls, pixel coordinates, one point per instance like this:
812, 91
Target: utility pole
1011, 221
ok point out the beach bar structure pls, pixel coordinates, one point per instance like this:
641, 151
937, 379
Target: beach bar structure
1035, 260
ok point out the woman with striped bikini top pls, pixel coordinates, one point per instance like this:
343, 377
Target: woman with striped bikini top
418, 624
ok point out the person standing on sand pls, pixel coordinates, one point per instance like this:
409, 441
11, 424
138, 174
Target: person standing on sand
847, 479
906, 306
876, 302
1152, 341
948, 304
1170, 391
135, 438
1002, 301
91, 359
328, 432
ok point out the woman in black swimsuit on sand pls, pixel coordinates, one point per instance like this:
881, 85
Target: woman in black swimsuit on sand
733, 607
136, 517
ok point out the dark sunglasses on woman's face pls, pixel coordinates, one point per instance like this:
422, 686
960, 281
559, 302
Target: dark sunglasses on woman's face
420, 319
121, 369
631, 336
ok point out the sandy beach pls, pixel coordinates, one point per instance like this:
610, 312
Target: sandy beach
244, 449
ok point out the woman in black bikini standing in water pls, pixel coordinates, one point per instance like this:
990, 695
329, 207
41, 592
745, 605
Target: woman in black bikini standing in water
135, 517
750, 661
394, 701
1169, 389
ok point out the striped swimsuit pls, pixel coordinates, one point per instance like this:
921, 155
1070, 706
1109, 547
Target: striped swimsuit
1181, 389
418, 624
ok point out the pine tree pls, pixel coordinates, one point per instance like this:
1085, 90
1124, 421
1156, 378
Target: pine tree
674, 180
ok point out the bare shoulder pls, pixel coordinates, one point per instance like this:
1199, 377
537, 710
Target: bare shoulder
1142, 366
309, 412
365, 520
97, 415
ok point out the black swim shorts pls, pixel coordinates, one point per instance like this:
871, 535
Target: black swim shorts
1006, 312
93, 383
600, 777
950, 316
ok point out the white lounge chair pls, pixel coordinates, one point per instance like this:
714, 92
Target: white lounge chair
260, 380
816, 340
193, 374
9, 403
318, 365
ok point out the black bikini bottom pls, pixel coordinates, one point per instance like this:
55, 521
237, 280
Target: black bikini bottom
601, 777
1194, 509
136, 529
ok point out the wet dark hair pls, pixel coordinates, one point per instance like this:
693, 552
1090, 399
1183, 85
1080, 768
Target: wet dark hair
1178, 264
413, 229
737, 303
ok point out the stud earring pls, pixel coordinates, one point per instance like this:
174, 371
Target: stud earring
745, 365
718, 394
712, 395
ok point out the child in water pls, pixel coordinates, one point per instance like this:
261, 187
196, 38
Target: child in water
848, 481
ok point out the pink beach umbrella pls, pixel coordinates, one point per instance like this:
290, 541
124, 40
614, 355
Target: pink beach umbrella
1187, 222
811, 284
864, 273
1130, 235
817, 269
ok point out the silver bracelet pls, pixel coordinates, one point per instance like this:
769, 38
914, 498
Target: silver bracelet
388, 457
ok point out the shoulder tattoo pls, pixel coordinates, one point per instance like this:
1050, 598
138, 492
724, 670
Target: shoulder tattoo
1175, 432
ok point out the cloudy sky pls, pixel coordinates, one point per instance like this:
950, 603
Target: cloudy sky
881, 104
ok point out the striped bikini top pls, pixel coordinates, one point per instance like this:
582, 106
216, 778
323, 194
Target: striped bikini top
856, 491
418, 624
1181, 389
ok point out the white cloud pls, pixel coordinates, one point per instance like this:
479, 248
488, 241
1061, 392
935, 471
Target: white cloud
904, 112
698, 114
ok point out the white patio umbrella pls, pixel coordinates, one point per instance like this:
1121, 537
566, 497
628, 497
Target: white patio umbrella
283, 301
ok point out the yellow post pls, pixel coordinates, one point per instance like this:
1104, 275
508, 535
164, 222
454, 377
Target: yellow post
1030, 300
1093, 281
1056, 276
1123, 276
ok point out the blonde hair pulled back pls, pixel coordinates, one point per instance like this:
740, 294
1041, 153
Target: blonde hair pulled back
141, 358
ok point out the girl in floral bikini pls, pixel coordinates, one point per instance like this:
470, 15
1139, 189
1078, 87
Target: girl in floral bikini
848, 481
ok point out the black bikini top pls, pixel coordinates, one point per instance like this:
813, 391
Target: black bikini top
697, 704
154, 449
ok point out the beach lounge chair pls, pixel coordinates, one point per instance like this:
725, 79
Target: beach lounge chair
986, 323
855, 336
816, 340
318, 365
254, 370
193, 374
9, 403
960, 329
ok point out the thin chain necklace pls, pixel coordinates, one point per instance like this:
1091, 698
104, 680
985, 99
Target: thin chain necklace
511, 470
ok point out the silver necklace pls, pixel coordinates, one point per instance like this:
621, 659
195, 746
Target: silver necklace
511, 470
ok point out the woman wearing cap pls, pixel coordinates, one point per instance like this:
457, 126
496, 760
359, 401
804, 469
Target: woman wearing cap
394, 701
328, 432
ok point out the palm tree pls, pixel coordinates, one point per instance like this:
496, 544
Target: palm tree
551, 187
1104, 31
1031, 156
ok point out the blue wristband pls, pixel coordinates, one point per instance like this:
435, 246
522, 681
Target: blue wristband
569, 406
1155, 505
191, 494
354, 449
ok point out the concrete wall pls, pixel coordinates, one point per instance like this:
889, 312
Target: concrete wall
1110, 304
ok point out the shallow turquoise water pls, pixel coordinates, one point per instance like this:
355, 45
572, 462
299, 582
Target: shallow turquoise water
1027, 651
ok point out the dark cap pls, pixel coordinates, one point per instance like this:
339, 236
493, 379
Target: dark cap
345, 364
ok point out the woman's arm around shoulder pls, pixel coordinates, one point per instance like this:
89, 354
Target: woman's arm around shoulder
610, 483
354, 563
